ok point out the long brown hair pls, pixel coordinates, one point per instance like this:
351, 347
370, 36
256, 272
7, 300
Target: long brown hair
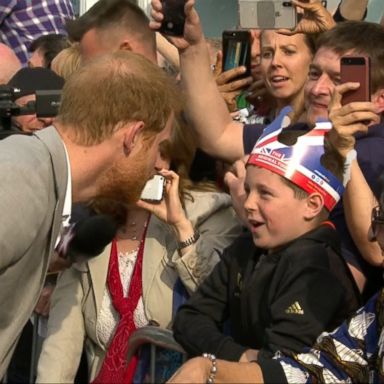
180, 149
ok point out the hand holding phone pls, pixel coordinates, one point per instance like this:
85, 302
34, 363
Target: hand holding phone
267, 14
174, 17
237, 51
356, 69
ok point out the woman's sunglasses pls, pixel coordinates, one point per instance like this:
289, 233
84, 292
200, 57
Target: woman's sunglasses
377, 219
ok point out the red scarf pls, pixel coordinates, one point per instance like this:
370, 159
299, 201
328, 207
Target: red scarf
114, 368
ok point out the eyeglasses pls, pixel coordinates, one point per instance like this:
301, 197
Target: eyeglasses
377, 219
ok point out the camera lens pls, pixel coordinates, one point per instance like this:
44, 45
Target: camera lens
287, 4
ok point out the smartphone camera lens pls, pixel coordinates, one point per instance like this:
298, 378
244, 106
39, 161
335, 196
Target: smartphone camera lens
287, 4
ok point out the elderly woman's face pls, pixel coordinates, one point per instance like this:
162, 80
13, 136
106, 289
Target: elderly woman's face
284, 64
30, 123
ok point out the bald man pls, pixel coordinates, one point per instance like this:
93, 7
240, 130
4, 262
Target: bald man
9, 63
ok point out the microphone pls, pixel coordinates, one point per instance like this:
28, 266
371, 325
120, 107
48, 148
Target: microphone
87, 238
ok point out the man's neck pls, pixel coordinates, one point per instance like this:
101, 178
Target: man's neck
87, 163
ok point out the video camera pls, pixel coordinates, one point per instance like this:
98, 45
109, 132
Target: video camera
46, 105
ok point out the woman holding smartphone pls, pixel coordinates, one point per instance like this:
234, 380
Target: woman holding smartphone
160, 254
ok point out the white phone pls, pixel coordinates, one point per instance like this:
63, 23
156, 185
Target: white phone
267, 14
154, 189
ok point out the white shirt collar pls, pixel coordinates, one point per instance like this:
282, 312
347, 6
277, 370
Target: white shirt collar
66, 216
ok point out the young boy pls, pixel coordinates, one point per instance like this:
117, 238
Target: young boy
284, 282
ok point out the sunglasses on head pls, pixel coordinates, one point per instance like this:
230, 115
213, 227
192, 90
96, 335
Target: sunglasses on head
377, 219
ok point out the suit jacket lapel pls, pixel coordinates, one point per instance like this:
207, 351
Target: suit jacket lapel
50, 137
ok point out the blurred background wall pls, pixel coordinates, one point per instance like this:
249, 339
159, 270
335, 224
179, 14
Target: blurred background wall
218, 15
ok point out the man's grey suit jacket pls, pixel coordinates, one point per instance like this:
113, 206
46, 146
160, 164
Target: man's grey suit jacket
33, 179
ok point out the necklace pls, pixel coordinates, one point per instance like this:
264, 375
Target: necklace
130, 231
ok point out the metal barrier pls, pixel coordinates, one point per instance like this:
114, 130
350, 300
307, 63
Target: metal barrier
156, 337
153, 336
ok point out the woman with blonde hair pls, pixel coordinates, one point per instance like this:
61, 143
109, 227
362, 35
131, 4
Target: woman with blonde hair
67, 61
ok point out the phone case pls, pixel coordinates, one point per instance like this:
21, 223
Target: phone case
267, 14
174, 17
237, 50
153, 189
356, 69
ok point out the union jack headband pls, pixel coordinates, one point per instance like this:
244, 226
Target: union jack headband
299, 163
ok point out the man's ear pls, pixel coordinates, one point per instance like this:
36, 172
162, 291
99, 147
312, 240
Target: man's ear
131, 136
314, 205
378, 98
125, 45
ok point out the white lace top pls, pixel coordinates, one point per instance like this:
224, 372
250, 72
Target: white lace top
108, 318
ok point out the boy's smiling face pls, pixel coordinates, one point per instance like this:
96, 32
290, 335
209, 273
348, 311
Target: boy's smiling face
275, 216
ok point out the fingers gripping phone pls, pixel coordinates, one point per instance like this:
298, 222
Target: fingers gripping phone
174, 17
153, 191
356, 69
237, 50
267, 14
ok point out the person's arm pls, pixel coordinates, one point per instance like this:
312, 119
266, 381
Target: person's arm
63, 346
198, 370
198, 323
351, 10
358, 202
167, 50
358, 198
217, 232
234, 180
218, 135
211, 227
18, 232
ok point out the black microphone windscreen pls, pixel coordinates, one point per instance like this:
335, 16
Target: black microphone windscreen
92, 235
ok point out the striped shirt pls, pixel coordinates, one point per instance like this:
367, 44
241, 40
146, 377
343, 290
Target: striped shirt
22, 21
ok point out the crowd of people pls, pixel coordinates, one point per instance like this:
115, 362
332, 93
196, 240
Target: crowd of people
265, 261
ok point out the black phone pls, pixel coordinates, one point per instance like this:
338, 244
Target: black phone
174, 17
237, 50
356, 69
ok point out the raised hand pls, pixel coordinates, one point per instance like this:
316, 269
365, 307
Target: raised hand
349, 119
234, 180
316, 18
228, 82
193, 32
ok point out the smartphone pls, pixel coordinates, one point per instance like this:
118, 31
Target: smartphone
237, 50
154, 189
356, 69
174, 17
267, 14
